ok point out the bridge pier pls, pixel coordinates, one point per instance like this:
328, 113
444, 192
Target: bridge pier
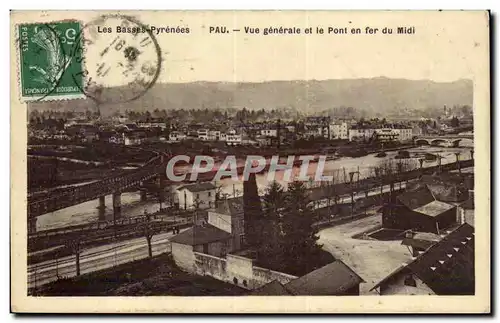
32, 225
102, 208
117, 205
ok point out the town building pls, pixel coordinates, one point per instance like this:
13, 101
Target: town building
269, 132
133, 138
417, 242
176, 136
228, 216
405, 133
214, 135
316, 127
203, 238
196, 196
203, 134
419, 210
339, 131
85, 132
361, 133
274, 288
335, 278
233, 139
445, 268
466, 210
366, 132
385, 135
152, 123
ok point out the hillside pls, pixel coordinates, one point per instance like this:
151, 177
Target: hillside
375, 95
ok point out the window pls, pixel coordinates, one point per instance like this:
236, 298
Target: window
197, 195
209, 194
205, 248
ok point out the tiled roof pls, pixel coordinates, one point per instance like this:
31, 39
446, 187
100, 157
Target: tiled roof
274, 288
198, 187
434, 208
201, 234
417, 198
332, 279
468, 205
447, 267
417, 243
423, 201
231, 206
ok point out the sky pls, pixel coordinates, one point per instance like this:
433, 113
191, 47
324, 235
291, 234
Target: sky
446, 46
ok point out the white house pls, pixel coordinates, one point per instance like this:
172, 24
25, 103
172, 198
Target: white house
214, 135
269, 132
360, 133
386, 135
339, 131
133, 138
405, 133
233, 139
203, 134
176, 136
197, 195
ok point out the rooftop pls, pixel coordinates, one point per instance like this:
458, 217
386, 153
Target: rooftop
334, 278
200, 234
417, 198
274, 288
434, 208
197, 187
469, 204
423, 201
447, 267
232, 206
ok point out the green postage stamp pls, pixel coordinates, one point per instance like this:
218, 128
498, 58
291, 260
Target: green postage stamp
48, 68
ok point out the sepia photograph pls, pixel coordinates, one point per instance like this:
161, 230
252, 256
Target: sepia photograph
251, 154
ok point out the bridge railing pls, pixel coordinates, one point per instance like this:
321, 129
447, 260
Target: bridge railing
94, 190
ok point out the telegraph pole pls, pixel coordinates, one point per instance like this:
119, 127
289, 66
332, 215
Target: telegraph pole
278, 132
457, 155
351, 175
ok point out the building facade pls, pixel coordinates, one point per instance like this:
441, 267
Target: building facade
196, 196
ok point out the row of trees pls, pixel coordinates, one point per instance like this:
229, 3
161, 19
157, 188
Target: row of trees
281, 228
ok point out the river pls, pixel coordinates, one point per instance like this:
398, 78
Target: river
132, 205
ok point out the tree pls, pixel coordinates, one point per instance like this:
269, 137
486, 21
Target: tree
75, 245
270, 253
299, 236
252, 211
147, 230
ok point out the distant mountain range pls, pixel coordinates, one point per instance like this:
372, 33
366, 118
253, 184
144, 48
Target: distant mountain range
373, 96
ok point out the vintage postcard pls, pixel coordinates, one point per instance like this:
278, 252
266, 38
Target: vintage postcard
296, 161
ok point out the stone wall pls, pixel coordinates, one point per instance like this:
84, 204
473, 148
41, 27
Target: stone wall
183, 256
237, 270
210, 266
